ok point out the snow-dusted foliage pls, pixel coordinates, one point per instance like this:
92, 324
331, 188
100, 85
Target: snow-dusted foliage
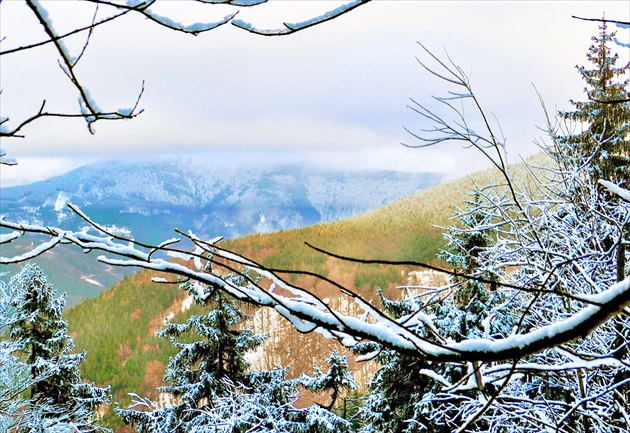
265, 406
213, 386
546, 246
14, 374
601, 124
337, 379
37, 361
410, 394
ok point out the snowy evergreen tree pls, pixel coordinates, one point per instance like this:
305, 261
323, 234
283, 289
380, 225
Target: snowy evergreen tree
603, 145
405, 397
475, 293
211, 381
58, 399
199, 369
204, 370
273, 397
14, 374
556, 232
604, 141
334, 381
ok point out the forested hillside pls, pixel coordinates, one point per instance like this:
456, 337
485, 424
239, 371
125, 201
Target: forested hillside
410, 229
149, 199
118, 327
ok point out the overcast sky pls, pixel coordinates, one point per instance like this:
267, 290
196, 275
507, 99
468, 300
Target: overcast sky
335, 94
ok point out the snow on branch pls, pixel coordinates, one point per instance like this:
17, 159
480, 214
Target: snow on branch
89, 109
290, 28
193, 29
8, 237
621, 24
617, 190
35, 252
308, 313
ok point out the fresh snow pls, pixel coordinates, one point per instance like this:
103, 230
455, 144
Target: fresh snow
623, 193
8, 237
191, 28
325, 16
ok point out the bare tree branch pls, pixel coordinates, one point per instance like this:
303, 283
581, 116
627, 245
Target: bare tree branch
602, 20
290, 28
90, 111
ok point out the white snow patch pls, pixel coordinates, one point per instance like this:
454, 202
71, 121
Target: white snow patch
623, 193
426, 279
4, 238
91, 281
61, 202
188, 302
119, 231
178, 255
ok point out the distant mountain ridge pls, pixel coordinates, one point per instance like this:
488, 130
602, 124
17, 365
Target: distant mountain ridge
223, 201
148, 199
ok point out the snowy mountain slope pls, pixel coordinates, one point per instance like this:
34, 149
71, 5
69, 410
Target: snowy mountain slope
150, 198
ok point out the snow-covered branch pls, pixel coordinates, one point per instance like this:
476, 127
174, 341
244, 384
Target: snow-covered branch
307, 312
615, 189
290, 28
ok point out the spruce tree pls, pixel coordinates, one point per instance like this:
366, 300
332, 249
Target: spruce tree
604, 145
199, 369
14, 374
604, 141
57, 393
463, 251
205, 369
334, 381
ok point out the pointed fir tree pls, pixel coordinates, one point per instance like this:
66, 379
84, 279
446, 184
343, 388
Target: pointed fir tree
402, 398
604, 141
204, 370
464, 252
57, 394
605, 146
272, 399
337, 379
200, 368
14, 373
